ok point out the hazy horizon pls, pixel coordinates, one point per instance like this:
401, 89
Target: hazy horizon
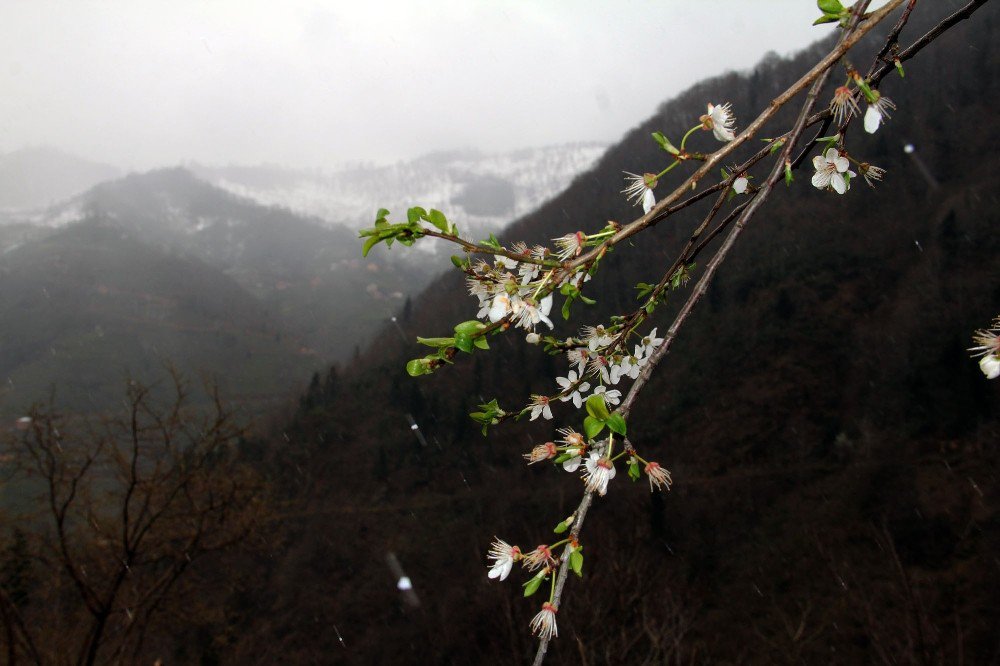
148, 84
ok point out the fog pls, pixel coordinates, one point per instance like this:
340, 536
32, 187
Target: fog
140, 84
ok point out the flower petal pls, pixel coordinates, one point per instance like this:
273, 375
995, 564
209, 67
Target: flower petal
648, 201
821, 179
838, 182
873, 118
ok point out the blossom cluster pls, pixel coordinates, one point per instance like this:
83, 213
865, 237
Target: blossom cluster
512, 288
595, 355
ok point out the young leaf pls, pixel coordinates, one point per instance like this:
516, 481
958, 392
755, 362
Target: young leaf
633, 471
576, 562
436, 342
665, 143
470, 327
561, 527
438, 219
597, 408
417, 367
415, 214
617, 424
532, 586
592, 427
369, 244
481, 343
830, 6
463, 342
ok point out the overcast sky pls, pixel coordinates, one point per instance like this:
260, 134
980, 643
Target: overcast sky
142, 84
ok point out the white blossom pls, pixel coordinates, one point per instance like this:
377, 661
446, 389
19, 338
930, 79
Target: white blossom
505, 262
639, 189
541, 452
877, 110
505, 304
658, 476
612, 397
575, 446
540, 407
990, 365
720, 120
544, 624
503, 556
531, 313
843, 105
872, 174
596, 337
630, 366
601, 367
599, 472
650, 343
576, 395
988, 346
830, 170
740, 185
580, 357
570, 245
539, 557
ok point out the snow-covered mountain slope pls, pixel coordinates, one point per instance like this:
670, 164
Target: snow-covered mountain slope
480, 192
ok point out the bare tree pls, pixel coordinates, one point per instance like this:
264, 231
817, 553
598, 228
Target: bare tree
122, 507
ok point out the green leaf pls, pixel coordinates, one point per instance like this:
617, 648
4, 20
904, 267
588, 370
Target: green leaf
633, 471
565, 308
826, 18
470, 327
369, 244
381, 214
576, 562
417, 367
458, 261
492, 242
617, 424
830, 6
463, 342
436, 342
481, 343
665, 143
415, 214
532, 586
438, 219
592, 427
788, 174
561, 527
597, 408
563, 457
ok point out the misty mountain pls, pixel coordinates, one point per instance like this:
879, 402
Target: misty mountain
91, 304
38, 177
482, 192
833, 446
257, 293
